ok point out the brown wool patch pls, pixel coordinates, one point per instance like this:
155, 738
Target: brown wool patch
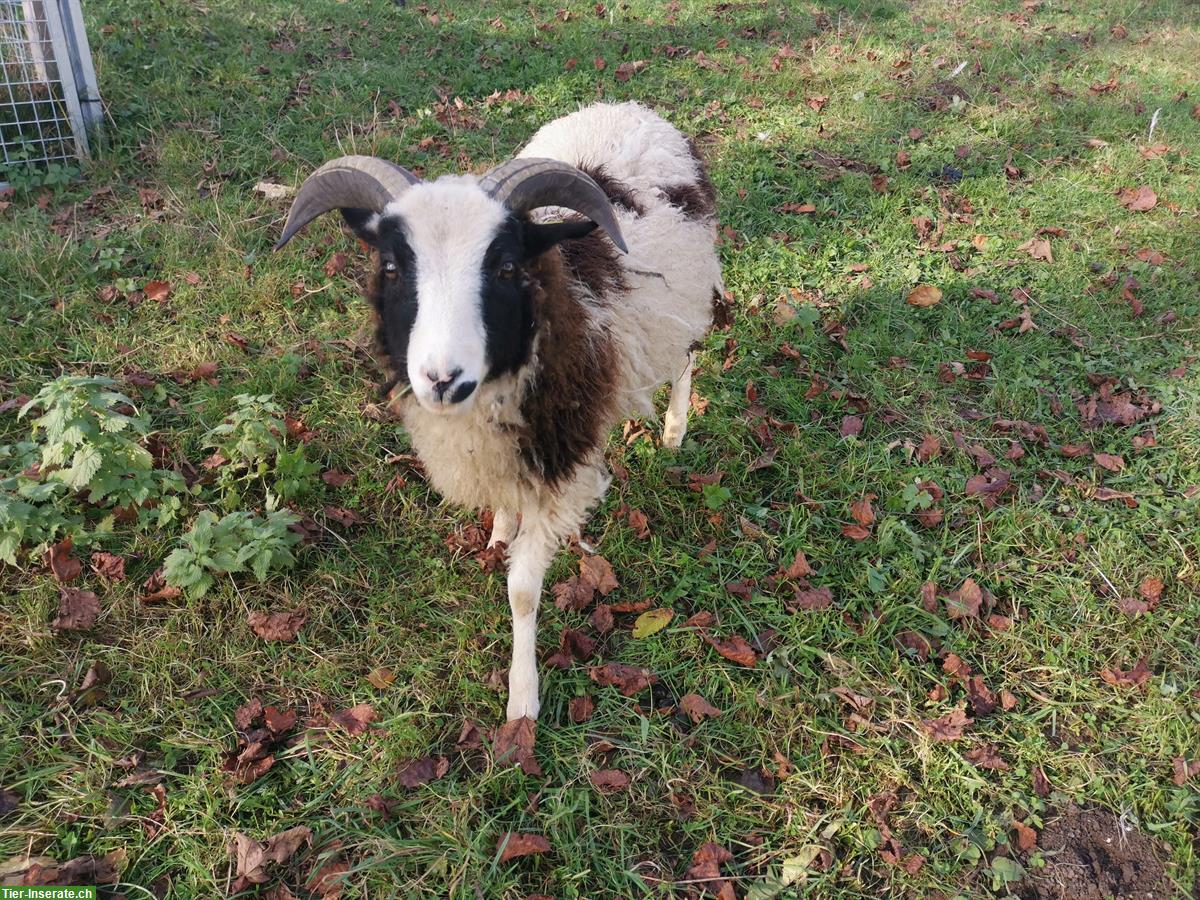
593, 262
571, 403
618, 192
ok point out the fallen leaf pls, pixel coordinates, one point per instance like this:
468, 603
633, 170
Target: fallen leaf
799, 567
514, 743
1026, 837
598, 572
347, 518
513, 844
574, 593
639, 523
627, 70
581, 709
609, 781
92, 689
157, 589
986, 756
1038, 248
629, 680
42, 871
381, 678
420, 772
948, 727
735, 649
1135, 677
851, 426
929, 448
77, 609
1109, 461
1141, 199
924, 295
862, 511
965, 602
856, 532
1183, 771
109, 565
1151, 588
158, 291
327, 880
336, 264
356, 719
336, 478
253, 859
277, 626
63, 565
1041, 784
651, 622
697, 708
706, 867
812, 599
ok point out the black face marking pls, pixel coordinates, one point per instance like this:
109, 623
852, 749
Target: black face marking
392, 288
509, 318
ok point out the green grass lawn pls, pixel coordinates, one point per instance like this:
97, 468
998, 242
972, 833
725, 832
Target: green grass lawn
933, 141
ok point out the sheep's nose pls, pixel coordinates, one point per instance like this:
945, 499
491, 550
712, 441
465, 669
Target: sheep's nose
442, 385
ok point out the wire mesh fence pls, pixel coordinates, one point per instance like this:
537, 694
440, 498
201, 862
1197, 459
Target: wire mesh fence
47, 84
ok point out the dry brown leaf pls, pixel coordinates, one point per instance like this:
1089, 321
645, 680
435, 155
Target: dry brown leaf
77, 609
1140, 199
254, 859
355, 720
420, 772
277, 626
513, 844
735, 649
609, 781
1038, 248
63, 565
697, 707
581, 709
948, 727
629, 680
598, 572
924, 295
514, 743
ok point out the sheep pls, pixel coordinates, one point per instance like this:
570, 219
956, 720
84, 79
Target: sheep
526, 312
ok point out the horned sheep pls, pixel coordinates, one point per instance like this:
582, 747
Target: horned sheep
526, 312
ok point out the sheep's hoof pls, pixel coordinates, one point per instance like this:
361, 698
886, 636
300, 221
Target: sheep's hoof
520, 707
673, 437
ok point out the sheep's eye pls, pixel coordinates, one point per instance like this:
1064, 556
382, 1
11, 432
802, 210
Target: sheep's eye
506, 271
390, 269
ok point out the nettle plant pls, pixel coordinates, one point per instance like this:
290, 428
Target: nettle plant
83, 456
237, 542
251, 441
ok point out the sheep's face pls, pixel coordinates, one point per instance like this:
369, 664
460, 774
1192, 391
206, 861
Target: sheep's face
455, 299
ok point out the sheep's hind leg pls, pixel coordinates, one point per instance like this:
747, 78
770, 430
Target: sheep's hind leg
504, 527
675, 426
528, 558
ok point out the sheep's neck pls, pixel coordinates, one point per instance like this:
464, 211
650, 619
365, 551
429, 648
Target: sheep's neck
567, 406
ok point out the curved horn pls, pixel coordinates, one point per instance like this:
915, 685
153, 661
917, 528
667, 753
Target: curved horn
365, 182
523, 184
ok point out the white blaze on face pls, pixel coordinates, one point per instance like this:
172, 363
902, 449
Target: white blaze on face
449, 223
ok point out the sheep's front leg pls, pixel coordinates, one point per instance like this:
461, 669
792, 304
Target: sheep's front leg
504, 527
675, 426
528, 558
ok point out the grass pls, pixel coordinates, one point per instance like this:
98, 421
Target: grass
206, 100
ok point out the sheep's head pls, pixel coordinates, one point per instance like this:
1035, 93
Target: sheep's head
454, 299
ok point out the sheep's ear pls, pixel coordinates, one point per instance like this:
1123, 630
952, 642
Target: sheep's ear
362, 222
541, 237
